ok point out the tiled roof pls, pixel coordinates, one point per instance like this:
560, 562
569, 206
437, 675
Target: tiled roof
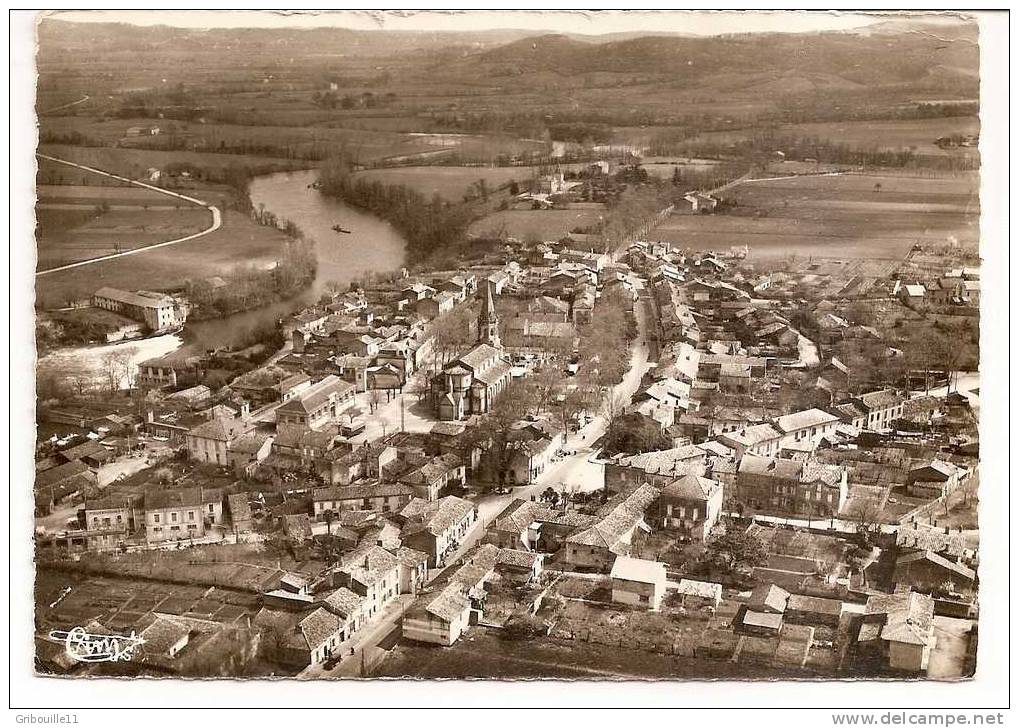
292, 381
703, 589
772, 467
516, 557
343, 602
357, 492
663, 461
250, 442
910, 616
754, 435
494, 373
180, 498
448, 429
929, 539
439, 517
478, 357
163, 634
816, 605
59, 473
239, 509
411, 557
691, 487
315, 396
91, 448
807, 418
641, 570
297, 525
219, 428
449, 604
152, 300
368, 565
319, 626
851, 410
608, 532
934, 558
768, 598
828, 474
940, 466
881, 399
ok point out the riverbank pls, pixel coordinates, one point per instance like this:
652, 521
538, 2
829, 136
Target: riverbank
94, 366
372, 246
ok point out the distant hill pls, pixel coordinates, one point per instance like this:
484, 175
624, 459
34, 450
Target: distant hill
109, 37
878, 57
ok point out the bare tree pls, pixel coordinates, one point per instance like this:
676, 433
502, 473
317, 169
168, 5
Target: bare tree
374, 398
613, 407
866, 514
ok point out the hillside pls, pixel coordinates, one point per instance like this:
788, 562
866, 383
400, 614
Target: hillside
875, 58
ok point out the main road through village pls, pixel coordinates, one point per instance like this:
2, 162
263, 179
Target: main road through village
579, 470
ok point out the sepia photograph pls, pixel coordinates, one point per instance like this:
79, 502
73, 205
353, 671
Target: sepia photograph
394, 346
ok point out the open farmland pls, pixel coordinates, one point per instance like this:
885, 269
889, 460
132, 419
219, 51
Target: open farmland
449, 183
536, 224
239, 242
119, 229
79, 222
850, 216
915, 134
134, 163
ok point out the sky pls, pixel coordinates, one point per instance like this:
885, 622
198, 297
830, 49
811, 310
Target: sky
581, 22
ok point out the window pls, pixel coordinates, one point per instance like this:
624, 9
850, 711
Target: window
191, 515
173, 517
155, 518
212, 508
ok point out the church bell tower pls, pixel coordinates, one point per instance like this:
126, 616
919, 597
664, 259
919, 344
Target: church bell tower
488, 321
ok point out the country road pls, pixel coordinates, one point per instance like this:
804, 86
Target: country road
82, 100
217, 218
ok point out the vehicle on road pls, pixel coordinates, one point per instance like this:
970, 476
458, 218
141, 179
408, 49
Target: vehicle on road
352, 429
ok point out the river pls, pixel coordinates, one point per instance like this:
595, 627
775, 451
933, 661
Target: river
372, 245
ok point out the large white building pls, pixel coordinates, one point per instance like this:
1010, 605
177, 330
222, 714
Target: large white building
158, 311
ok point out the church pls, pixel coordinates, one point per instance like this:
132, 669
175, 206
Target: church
469, 384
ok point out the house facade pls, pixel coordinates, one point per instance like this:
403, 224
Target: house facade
321, 404
691, 505
380, 497
638, 582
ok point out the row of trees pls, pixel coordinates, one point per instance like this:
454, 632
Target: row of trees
429, 225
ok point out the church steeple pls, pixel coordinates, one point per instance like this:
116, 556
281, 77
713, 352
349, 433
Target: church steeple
488, 321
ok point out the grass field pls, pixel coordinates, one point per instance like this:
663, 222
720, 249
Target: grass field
450, 183
122, 228
481, 654
535, 224
110, 195
134, 163
916, 134
240, 242
311, 141
846, 216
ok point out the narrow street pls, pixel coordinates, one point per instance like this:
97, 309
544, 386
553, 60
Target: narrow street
581, 470
366, 638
